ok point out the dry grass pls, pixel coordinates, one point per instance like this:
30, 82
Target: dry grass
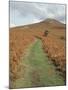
19, 41
54, 46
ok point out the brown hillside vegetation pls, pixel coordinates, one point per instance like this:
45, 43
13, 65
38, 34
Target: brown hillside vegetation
52, 34
19, 40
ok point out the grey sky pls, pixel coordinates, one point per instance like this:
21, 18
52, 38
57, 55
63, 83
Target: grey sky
22, 13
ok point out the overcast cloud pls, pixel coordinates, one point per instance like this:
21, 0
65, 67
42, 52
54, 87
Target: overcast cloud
22, 13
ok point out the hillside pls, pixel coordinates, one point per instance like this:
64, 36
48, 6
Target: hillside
52, 35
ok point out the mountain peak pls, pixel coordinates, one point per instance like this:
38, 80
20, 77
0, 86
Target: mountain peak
52, 21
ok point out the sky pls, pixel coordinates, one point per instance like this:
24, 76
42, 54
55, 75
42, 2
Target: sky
23, 13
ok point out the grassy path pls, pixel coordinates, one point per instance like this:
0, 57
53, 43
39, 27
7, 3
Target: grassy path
37, 70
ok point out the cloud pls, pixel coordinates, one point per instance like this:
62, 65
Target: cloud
22, 13
12, 25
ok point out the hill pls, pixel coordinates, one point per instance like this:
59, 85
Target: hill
52, 34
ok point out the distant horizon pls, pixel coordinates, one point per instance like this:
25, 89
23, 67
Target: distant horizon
25, 13
35, 23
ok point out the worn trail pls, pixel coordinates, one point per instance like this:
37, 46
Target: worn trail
37, 69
